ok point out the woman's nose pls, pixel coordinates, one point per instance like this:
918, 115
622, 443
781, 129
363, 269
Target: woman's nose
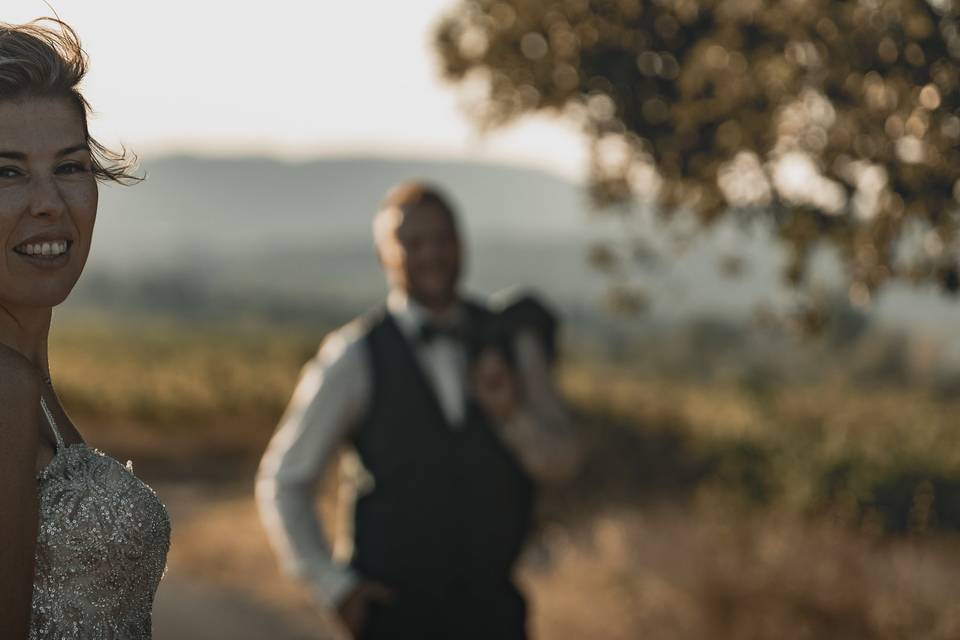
46, 199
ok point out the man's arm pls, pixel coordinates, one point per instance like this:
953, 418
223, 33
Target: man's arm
535, 424
328, 402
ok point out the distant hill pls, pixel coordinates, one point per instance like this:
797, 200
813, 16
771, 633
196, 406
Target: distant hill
251, 201
221, 233
305, 228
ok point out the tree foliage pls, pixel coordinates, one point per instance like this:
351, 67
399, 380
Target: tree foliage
834, 120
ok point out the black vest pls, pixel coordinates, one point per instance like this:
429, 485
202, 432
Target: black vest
448, 505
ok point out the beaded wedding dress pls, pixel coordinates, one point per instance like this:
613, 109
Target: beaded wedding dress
101, 548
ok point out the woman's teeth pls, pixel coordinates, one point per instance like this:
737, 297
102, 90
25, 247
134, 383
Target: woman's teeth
44, 248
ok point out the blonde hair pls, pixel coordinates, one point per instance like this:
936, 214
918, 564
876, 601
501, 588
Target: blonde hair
44, 59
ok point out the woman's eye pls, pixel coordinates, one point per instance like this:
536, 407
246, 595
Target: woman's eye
72, 167
10, 172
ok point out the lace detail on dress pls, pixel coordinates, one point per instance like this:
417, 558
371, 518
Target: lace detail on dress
101, 549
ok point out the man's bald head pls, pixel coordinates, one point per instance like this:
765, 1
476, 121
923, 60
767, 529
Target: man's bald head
406, 197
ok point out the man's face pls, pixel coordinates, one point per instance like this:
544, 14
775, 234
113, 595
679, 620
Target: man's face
420, 251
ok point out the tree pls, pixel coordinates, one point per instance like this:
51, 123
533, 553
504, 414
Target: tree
835, 121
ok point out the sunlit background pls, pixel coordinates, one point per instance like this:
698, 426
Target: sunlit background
287, 79
744, 477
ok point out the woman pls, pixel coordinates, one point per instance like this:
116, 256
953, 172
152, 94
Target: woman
83, 543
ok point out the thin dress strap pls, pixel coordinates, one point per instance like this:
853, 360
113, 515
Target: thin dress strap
51, 422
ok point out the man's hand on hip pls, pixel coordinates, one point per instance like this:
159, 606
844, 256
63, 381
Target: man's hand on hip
355, 608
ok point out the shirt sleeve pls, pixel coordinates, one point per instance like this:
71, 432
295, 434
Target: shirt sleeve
541, 433
327, 404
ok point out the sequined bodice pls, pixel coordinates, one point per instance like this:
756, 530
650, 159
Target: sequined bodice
101, 549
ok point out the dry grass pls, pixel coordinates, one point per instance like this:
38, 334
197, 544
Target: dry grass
673, 575
171, 376
704, 510
666, 575
886, 457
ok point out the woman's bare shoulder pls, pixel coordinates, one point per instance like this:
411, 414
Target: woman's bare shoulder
20, 385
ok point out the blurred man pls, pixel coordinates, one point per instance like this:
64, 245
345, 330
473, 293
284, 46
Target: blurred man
453, 419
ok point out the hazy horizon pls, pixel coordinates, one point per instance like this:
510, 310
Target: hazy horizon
286, 79
299, 231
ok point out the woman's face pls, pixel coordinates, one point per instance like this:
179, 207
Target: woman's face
48, 201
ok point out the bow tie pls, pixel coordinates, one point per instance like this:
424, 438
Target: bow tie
430, 331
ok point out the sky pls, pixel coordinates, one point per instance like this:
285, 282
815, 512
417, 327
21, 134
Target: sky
285, 78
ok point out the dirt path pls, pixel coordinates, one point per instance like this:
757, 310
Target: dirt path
187, 610
215, 574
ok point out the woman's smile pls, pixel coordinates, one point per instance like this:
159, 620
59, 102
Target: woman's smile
50, 251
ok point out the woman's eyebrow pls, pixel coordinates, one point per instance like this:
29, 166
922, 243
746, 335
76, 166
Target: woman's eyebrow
19, 155
83, 146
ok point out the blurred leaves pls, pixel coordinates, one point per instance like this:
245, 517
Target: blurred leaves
623, 299
834, 120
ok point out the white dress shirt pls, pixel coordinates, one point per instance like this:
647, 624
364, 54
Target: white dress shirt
329, 402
